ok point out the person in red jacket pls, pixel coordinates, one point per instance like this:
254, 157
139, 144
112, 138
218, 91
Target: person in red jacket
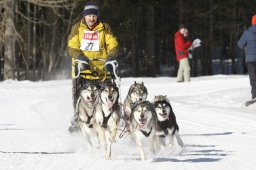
181, 48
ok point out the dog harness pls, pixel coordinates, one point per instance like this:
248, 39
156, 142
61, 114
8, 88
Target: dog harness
163, 125
89, 117
88, 121
145, 133
105, 120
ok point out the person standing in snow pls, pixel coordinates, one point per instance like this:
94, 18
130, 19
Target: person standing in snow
92, 46
181, 47
248, 42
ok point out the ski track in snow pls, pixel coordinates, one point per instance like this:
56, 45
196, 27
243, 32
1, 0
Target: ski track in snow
217, 132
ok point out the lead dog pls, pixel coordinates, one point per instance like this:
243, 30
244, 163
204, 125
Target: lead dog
85, 110
143, 126
167, 126
107, 117
137, 92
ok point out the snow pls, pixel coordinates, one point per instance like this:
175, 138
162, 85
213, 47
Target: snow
217, 131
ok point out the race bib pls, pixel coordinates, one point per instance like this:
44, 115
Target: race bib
90, 41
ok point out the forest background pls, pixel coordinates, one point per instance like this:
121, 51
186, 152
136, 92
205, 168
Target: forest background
33, 35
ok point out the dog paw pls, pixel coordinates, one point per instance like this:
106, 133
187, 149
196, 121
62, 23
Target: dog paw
97, 146
153, 156
171, 149
108, 157
103, 146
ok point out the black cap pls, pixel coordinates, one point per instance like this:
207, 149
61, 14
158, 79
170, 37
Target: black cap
91, 8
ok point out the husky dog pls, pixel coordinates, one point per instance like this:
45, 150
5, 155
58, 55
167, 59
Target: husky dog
137, 92
107, 117
167, 126
143, 126
85, 109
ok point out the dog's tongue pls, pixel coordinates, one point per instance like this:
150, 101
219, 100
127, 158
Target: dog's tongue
141, 125
92, 100
165, 116
109, 103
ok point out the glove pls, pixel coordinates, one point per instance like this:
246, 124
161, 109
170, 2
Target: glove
190, 55
82, 58
82, 63
110, 58
108, 65
196, 43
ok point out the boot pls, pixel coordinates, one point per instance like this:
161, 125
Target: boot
250, 102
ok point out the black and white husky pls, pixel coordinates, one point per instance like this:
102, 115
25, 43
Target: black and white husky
167, 126
85, 110
143, 126
137, 92
107, 117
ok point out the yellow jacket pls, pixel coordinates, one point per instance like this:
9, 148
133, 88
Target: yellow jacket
106, 46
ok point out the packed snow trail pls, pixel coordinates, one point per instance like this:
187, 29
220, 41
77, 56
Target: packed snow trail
217, 132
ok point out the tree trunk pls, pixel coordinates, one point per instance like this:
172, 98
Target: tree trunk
209, 70
28, 52
150, 39
181, 11
34, 44
9, 55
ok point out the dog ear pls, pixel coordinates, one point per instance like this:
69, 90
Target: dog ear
146, 91
86, 85
130, 89
98, 85
166, 98
114, 84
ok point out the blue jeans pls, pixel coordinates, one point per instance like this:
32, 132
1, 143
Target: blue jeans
251, 66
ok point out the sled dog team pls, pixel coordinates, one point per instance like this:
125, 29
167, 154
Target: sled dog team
99, 113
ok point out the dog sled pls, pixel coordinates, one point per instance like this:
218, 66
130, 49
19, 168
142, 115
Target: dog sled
99, 112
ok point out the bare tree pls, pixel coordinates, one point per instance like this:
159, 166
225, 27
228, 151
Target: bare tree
40, 36
9, 34
150, 38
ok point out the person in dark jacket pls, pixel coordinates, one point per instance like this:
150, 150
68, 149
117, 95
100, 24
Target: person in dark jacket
248, 42
181, 48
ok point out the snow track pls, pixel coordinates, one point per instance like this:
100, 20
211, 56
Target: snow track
217, 132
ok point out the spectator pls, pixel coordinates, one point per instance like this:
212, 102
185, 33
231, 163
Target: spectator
181, 47
248, 42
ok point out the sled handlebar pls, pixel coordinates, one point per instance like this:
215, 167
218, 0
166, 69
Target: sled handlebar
113, 63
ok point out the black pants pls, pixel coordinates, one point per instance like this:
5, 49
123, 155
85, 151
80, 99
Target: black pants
76, 86
251, 66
